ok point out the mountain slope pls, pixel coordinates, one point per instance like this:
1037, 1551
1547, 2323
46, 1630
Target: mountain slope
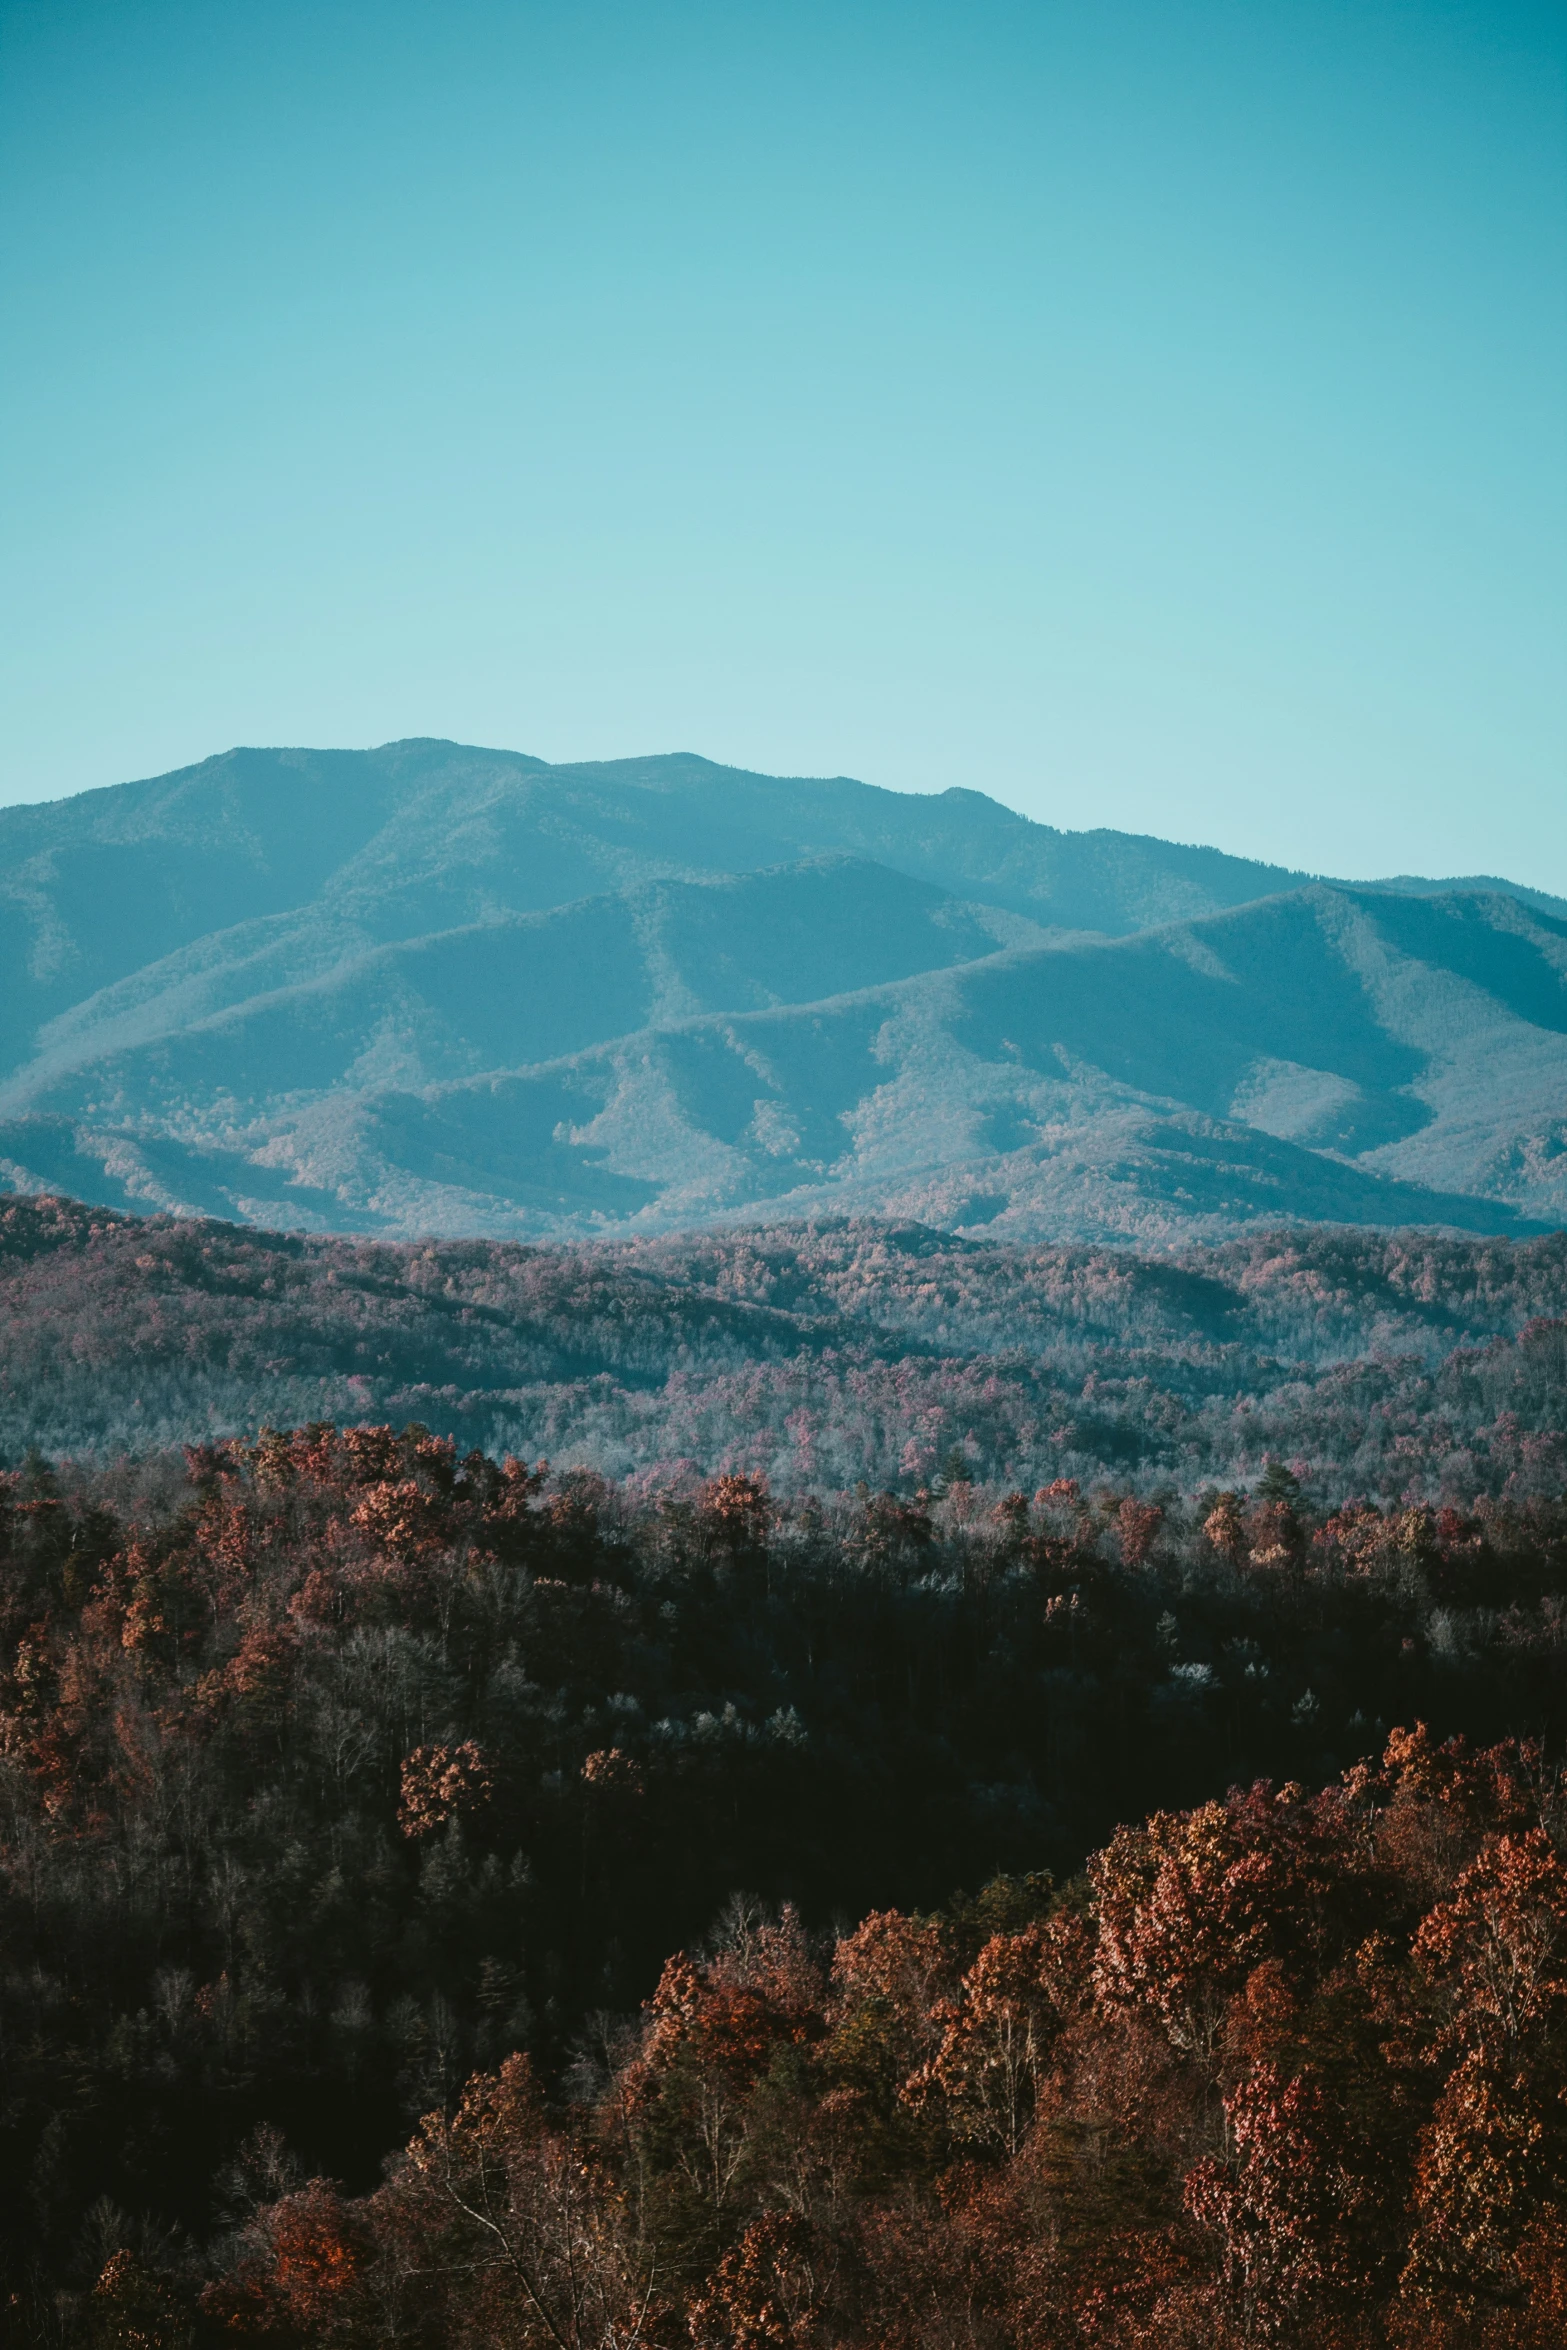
1328, 1054
436, 988
190, 1033
333, 852
1291, 1058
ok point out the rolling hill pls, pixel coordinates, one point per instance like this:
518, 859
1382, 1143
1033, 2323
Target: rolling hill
823, 1354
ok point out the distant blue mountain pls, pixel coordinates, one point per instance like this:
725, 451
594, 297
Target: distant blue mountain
437, 988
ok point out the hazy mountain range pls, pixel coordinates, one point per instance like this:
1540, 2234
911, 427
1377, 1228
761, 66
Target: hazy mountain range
436, 989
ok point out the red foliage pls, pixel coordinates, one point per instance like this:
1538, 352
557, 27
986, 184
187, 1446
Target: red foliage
1187, 2112
1281, 2205
439, 1784
763, 2295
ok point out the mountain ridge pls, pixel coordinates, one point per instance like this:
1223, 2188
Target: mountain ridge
419, 1018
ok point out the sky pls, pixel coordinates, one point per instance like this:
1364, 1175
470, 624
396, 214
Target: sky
1150, 412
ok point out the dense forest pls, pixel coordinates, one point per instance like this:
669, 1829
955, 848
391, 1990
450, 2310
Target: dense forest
604, 1844
1416, 1366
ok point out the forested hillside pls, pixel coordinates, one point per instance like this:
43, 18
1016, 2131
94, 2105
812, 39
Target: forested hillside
431, 988
833, 1785
339, 1766
815, 1356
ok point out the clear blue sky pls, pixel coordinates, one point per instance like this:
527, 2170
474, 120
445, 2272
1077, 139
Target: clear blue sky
1153, 412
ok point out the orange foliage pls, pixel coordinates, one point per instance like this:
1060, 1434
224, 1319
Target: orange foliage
1256, 2089
439, 1783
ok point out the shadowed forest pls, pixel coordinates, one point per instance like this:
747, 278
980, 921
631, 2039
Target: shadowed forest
605, 1846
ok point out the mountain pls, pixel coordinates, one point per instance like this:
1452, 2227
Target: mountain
430, 988
515, 989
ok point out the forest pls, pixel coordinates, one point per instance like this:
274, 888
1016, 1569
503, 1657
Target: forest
459, 1900
1414, 1365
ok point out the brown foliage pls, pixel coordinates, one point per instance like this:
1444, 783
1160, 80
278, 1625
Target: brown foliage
439, 1783
1187, 2111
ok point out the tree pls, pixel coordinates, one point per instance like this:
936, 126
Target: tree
764, 2293
1496, 2146
134, 2309
1281, 2205
529, 2239
999, 2032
